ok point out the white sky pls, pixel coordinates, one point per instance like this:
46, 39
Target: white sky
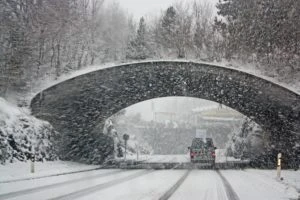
167, 104
141, 8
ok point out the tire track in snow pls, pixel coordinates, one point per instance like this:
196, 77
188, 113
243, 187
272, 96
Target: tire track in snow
86, 191
171, 191
51, 186
229, 190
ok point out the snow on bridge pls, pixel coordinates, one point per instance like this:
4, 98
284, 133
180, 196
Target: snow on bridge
80, 105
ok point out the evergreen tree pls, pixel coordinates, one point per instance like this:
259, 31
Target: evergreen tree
168, 26
266, 28
165, 31
174, 29
138, 48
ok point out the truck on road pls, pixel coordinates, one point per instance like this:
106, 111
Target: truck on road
202, 150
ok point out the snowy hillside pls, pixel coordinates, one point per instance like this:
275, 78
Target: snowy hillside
19, 132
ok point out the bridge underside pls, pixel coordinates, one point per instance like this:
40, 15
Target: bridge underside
75, 107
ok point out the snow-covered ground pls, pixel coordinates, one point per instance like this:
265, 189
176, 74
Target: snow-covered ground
201, 184
255, 184
117, 184
168, 158
21, 170
291, 178
180, 158
221, 157
22, 135
147, 187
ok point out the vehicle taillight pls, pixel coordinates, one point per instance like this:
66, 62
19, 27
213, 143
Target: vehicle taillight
192, 153
213, 154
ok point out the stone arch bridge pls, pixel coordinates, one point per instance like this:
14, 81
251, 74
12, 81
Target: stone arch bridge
78, 105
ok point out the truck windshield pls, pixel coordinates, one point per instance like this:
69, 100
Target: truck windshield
209, 143
198, 143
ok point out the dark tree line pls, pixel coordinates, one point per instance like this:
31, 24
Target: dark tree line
266, 31
42, 38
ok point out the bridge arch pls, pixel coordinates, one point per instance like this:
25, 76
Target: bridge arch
77, 105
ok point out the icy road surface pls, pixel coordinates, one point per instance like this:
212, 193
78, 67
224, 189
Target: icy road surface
108, 184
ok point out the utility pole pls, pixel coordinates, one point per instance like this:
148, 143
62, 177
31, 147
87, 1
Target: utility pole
137, 151
125, 138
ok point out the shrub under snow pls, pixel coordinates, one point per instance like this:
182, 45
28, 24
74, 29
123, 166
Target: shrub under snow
22, 135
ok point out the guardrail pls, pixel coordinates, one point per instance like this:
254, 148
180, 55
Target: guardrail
187, 165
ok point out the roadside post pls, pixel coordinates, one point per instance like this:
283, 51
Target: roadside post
32, 166
125, 138
279, 165
32, 159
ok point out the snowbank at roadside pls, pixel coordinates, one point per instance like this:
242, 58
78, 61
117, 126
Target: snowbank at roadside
22, 135
261, 184
291, 178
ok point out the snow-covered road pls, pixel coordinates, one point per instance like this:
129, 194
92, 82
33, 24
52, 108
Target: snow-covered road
168, 158
180, 158
153, 184
201, 184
